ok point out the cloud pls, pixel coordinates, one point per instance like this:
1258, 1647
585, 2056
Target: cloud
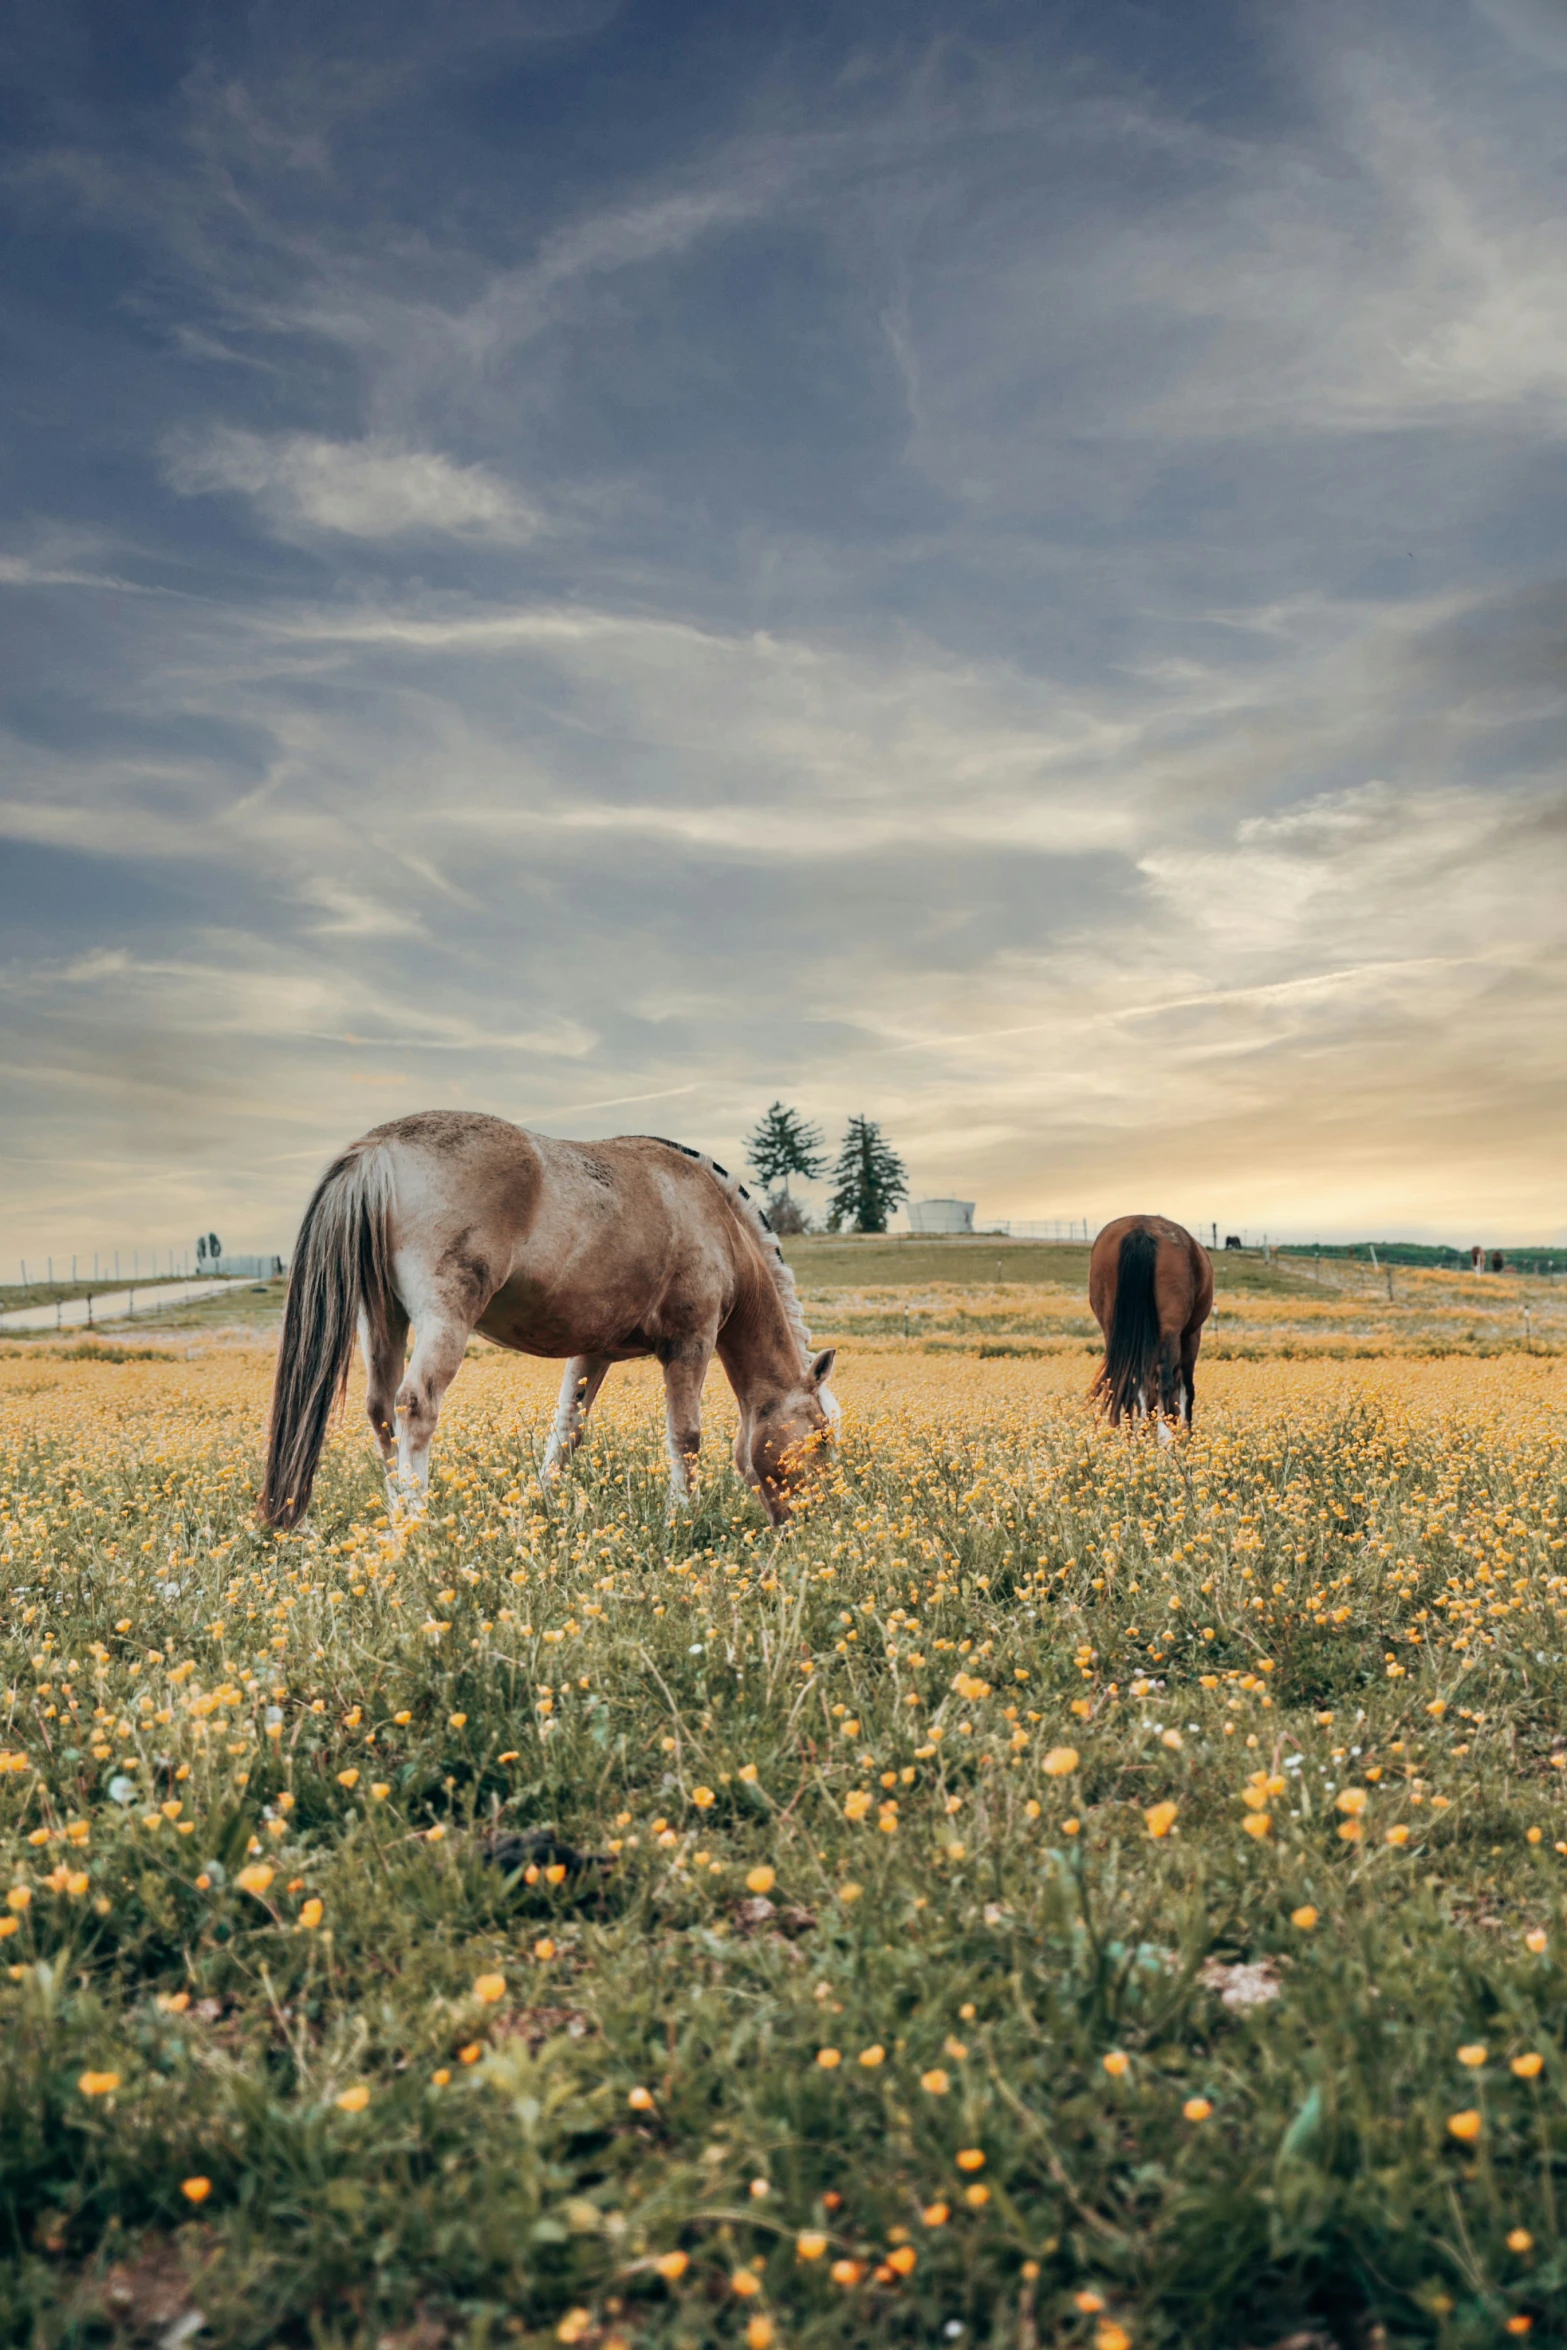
370, 489
923, 571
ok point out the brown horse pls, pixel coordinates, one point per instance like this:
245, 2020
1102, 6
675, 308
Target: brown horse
1151, 1289
599, 1251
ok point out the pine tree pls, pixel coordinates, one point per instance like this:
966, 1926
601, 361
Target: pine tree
869, 1179
784, 1145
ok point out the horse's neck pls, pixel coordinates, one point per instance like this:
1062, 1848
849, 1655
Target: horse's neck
756, 1344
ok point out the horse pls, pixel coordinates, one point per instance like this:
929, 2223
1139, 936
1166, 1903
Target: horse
600, 1251
1150, 1285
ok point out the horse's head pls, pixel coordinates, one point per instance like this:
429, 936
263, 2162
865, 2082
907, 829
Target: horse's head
785, 1437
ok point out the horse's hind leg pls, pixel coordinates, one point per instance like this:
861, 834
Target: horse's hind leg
439, 1345
584, 1377
383, 1370
1191, 1340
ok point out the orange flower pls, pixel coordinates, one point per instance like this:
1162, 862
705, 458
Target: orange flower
196, 2190
1115, 2063
672, 2265
970, 2158
1197, 2109
761, 1880
829, 2058
1527, 2067
641, 2100
1305, 1917
1473, 2054
936, 2215
809, 2244
353, 2100
1160, 1818
1466, 2125
935, 2082
1060, 1762
846, 2272
903, 2259
489, 1988
98, 2084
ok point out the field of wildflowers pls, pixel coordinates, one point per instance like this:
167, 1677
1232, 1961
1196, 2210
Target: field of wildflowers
1063, 1891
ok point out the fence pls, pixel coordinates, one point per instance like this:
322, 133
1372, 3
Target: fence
1068, 1228
119, 1268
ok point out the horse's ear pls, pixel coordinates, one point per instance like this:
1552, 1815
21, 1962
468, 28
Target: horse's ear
821, 1369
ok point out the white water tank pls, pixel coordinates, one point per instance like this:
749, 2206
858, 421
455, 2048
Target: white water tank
941, 1215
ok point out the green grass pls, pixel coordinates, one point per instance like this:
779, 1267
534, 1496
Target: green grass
876, 1261
694, 1706
48, 1293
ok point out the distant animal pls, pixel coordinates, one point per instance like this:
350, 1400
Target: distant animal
1150, 1285
599, 1251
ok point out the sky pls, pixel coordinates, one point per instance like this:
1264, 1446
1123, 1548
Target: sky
999, 567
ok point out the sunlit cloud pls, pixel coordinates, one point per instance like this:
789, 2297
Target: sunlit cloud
1003, 573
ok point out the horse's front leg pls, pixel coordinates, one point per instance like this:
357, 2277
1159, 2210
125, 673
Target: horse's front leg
585, 1375
685, 1368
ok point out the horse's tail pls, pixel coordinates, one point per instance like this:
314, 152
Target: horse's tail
342, 1267
1131, 1361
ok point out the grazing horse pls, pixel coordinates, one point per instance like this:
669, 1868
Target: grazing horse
599, 1251
1151, 1289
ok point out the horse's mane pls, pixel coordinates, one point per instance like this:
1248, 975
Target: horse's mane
767, 1240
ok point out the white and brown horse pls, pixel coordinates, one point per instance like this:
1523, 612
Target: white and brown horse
600, 1251
1150, 1285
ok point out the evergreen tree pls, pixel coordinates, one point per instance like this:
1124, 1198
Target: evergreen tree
869, 1179
784, 1145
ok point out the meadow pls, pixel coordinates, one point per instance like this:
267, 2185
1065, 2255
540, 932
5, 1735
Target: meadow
1064, 1890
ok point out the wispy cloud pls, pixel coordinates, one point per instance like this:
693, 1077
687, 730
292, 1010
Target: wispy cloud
369, 489
1002, 571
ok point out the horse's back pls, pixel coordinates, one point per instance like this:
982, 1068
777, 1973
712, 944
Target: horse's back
555, 1247
1183, 1270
